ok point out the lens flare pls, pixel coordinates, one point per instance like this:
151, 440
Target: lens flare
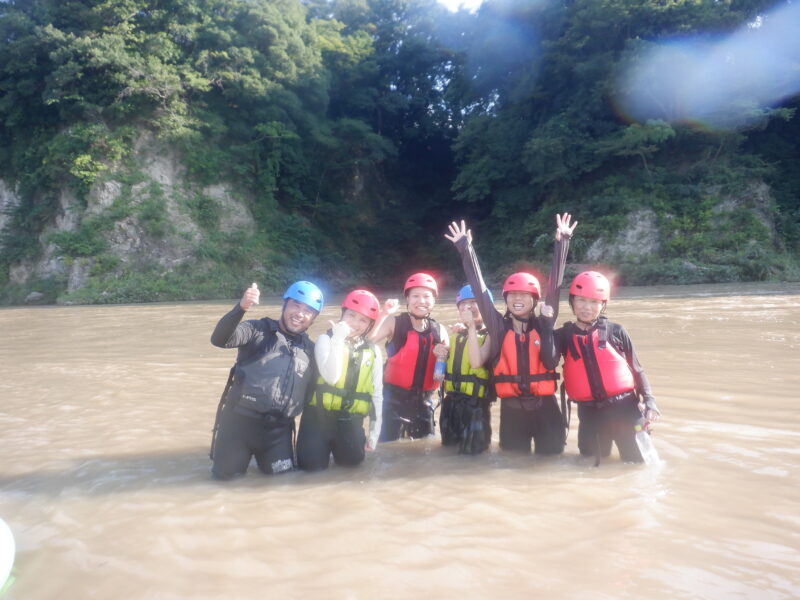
723, 83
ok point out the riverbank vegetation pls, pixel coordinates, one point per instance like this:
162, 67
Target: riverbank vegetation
351, 131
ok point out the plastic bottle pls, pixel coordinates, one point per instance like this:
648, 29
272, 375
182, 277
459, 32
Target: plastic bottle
646, 446
439, 369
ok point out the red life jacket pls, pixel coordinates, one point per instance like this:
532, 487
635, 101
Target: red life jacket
593, 368
519, 371
411, 357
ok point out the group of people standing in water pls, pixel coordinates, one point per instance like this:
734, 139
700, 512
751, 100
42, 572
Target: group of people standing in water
339, 380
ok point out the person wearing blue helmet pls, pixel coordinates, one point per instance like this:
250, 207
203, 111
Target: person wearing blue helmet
466, 417
267, 385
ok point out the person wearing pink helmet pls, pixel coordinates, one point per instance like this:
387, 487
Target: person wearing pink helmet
349, 387
414, 341
602, 374
522, 350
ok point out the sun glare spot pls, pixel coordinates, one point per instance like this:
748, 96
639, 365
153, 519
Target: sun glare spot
722, 83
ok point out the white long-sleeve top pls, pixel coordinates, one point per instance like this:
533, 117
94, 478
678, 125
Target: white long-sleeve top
329, 353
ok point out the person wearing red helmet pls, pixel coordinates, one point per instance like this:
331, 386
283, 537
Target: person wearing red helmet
602, 374
522, 351
414, 341
349, 387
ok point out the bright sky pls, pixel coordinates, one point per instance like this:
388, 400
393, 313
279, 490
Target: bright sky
468, 4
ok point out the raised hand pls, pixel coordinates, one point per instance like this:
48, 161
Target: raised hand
563, 226
250, 297
467, 316
391, 306
340, 330
458, 231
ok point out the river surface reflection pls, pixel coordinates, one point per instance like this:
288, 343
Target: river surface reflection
105, 422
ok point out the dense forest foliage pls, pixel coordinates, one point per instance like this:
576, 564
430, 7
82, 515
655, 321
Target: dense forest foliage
356, 129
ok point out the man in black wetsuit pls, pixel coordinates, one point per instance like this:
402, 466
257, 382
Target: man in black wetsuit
268, 383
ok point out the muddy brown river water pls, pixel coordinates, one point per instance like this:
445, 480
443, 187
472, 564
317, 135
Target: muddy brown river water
105, 419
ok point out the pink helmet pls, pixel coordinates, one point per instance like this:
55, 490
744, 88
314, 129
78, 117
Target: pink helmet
591, 284
363, 302
421, 280
522, 282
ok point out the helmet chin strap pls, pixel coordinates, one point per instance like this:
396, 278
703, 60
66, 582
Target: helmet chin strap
422, 318
589, 323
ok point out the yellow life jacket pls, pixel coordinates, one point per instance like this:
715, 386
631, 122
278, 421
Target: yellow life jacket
460, 377
353, 391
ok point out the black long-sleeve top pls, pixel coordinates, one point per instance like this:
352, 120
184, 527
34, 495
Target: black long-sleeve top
248, 336
618, 337
497, 324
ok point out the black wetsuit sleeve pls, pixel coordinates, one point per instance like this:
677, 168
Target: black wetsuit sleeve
492, 319
624, 344
230, 332
556, 277
548, 352
560, 338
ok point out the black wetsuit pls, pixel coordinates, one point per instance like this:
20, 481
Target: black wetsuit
526, 417
325, 432
244, 430
607, 420
466, 419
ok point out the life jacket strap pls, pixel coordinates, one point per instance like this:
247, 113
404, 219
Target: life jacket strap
347, 400
478, 383
549, 376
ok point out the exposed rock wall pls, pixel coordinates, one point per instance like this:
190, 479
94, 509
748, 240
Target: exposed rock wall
160, 180
639, 238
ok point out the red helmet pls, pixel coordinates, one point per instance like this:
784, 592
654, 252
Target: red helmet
591, 284
421, 280
522, 282
363, 302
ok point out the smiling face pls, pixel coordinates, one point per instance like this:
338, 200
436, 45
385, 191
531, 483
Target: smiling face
358, 323
296, 316
587, 310
420, 301
520, 304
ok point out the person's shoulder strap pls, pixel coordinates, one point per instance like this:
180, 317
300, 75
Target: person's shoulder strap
602, 331
402, 325
435, 329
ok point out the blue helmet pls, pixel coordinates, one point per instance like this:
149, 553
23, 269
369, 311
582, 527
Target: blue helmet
305, 292
465, 293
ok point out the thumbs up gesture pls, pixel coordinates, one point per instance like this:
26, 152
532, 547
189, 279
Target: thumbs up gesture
250, 297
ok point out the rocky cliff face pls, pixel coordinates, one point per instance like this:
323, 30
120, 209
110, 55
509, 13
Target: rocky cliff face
639, 238
142, 214
146, 221
645, 233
